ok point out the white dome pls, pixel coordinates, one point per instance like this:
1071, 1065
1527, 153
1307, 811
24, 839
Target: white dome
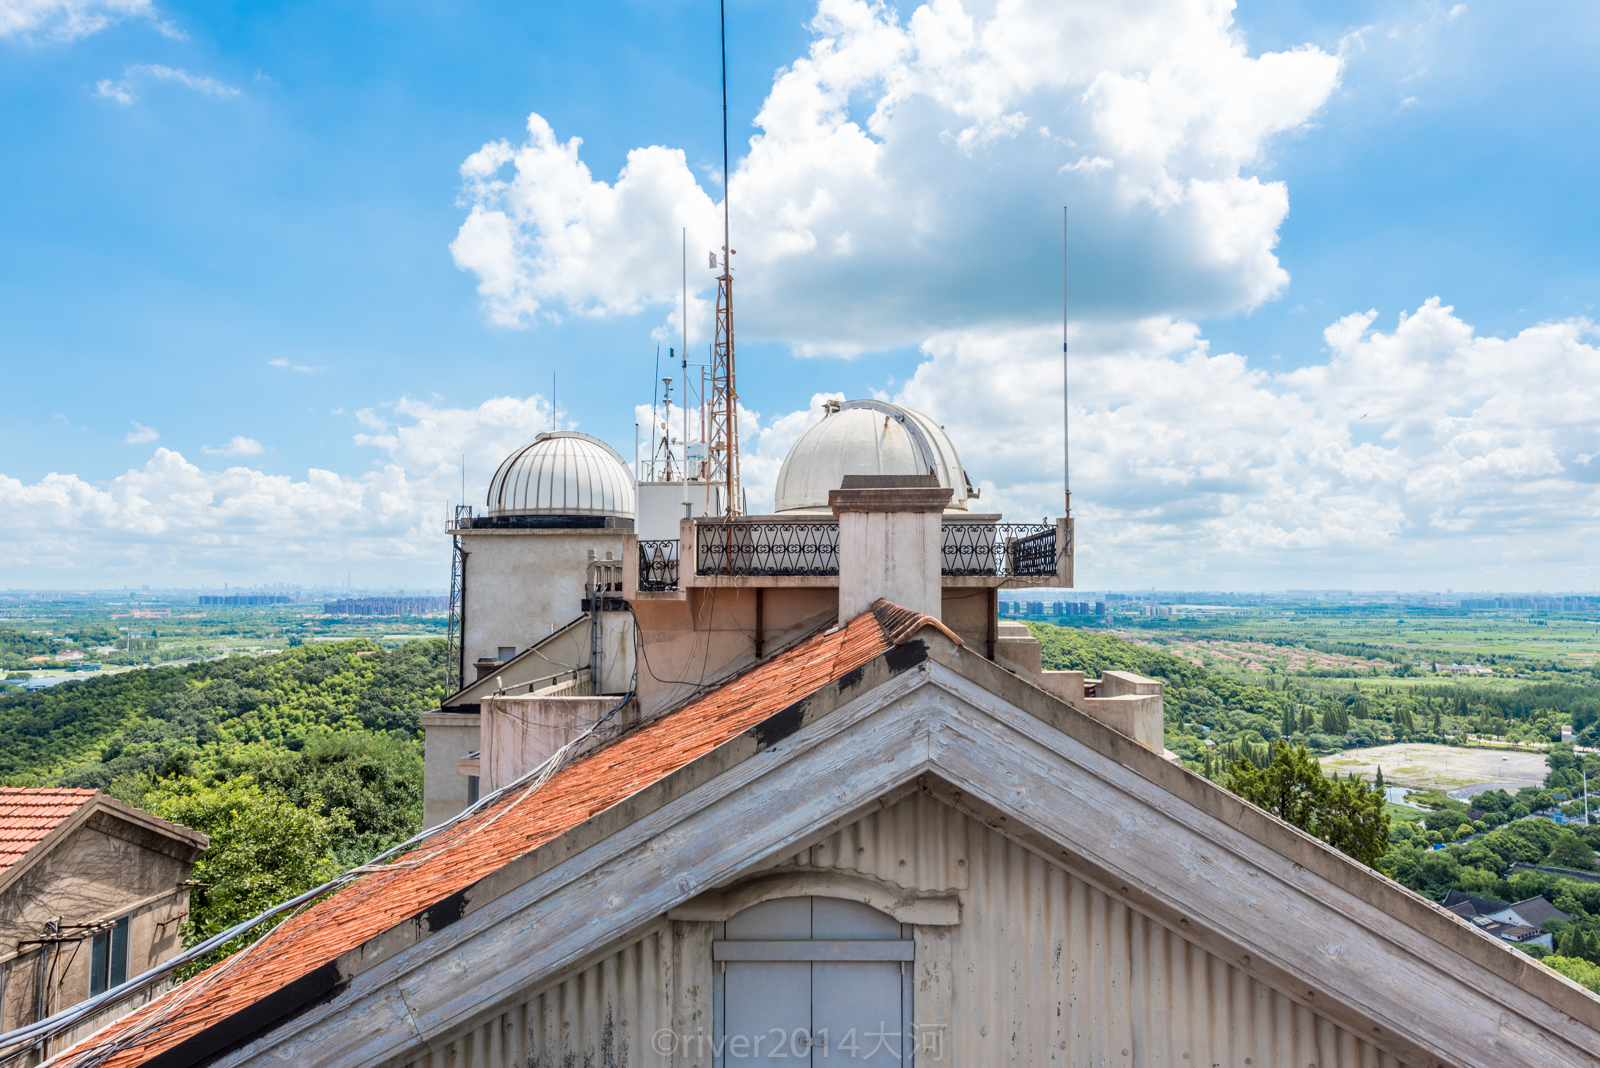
867, 437
563, 473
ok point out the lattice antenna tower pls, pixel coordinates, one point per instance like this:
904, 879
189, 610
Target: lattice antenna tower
723, 453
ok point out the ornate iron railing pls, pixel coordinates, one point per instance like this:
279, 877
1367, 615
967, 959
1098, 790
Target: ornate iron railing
658, 565
1034, 554
767, 549
744, 548
999, 549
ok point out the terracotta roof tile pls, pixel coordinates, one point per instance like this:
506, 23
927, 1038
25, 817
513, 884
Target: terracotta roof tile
28, 816
493, 838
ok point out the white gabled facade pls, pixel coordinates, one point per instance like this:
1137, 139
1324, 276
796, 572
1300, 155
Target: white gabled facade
1065, 895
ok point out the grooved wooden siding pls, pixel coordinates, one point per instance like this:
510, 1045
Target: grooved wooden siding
605, 1015
1049, 971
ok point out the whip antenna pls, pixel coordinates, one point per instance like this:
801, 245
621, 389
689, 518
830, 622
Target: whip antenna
1066, 381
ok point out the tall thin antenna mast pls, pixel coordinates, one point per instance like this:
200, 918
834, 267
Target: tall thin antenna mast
723, 450
685, 354
1066, 395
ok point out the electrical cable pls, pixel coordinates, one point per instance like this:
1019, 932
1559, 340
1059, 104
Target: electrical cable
22, 1037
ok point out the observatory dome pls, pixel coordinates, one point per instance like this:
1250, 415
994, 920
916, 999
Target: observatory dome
867, 437
562, 474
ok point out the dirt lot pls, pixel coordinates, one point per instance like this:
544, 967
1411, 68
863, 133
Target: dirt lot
1441, 767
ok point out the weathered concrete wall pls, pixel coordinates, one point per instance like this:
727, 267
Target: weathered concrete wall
1123, 701
447, 737
711, 633
965, 610
524, 585
895, 555
96, 874
520, 733
1044, 969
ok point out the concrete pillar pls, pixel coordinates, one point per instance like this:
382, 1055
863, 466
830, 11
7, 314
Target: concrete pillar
891, 542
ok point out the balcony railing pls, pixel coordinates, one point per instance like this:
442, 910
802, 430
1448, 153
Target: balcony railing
658, 565
999, 549
809, 549
764, 548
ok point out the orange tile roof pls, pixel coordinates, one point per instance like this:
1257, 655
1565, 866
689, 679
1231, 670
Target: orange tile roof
476, 847
28, 816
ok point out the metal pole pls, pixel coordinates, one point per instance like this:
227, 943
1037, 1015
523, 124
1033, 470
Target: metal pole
685, 369
1066, 397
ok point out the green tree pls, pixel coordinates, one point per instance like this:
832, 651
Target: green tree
1344, 813
1377, 783
264, 850
1578, 944
1570, 851
1579, 971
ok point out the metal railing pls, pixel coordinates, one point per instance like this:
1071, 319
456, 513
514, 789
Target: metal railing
999, 549
767, 549
1033, 554
658, 565
995, 550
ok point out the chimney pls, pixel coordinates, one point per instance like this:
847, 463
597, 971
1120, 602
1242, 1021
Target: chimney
891, 542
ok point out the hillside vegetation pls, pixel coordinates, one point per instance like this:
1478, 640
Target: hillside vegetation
1241, 713
1451, 845
93, 732
298, 765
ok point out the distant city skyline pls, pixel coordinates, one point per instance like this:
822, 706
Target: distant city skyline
281, 281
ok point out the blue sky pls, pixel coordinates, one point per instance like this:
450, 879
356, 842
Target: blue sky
233, 225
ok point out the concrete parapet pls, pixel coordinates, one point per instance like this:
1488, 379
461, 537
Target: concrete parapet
1139, 716
1125, 683
520, 733
1123, 701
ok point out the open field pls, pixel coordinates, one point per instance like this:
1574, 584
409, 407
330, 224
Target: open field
1244, 640
1232, 655
1441, 767
51, 638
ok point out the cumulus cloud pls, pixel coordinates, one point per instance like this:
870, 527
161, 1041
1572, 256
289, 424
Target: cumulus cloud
907, 175
66, 20
1425, 454
174, 521
141, 434
236, 446
123, 92
1418, 454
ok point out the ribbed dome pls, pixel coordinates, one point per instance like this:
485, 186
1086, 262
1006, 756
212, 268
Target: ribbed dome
867, 437
563, 473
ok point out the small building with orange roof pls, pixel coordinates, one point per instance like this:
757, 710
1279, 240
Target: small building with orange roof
92, 892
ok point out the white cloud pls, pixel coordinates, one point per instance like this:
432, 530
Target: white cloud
67, 20
287, 366
141, 434
236, 446
905, 179
122, 92
112, 91
1418, 456
1423, 455
172, 521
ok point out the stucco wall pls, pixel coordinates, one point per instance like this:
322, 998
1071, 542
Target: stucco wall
711, 632
1047, 970
447, 737
90, 876
523, 585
